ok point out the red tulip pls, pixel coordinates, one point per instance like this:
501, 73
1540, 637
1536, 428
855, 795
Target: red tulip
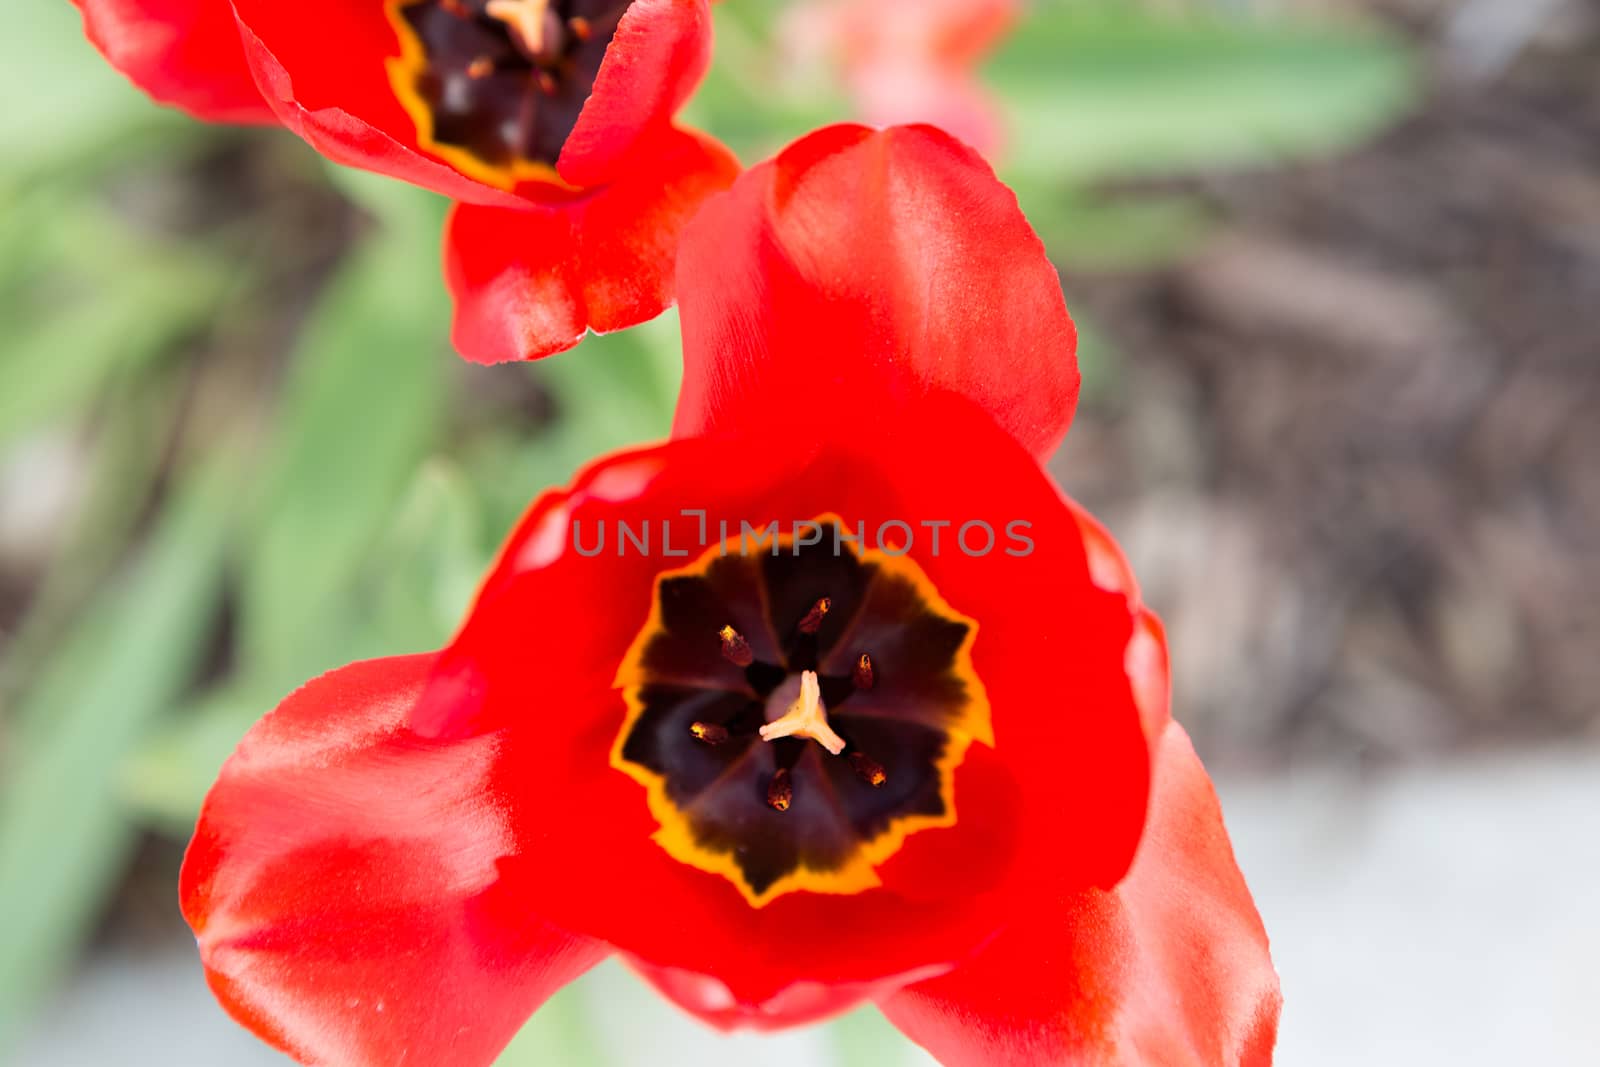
778, 785
911, 60
550, 121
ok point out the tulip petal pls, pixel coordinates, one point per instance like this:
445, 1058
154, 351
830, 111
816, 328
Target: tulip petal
1059, 799
1171, 967
864, 269
659, 55
323, 69
529, 283
182, 52
356, 890
522, 667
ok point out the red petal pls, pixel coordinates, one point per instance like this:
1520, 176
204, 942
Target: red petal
866, 269
952, 35
356, 891
1170, 968
965, 31
182, 52
709, 999
529, 283
893, 93
659, 55
322, 68
1061, 795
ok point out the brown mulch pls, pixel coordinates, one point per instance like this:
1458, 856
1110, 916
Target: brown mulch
1352, 444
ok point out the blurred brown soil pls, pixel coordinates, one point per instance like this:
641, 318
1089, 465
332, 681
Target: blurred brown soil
1351, 444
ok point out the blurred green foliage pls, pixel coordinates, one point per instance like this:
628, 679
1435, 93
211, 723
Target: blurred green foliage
337, 495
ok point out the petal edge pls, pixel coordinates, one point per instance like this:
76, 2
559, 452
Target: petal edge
1172, 967
185, 53
855, 270
530, 283
353, 888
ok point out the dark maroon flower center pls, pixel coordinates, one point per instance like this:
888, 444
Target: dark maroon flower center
797, 714
504, 80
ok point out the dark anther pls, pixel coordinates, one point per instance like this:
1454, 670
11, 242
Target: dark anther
862, 675
779, 791
709, 732
813, 620
868, 769
735, 649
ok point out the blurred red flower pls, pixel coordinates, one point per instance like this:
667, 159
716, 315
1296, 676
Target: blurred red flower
549, 121
785, 781
910, 60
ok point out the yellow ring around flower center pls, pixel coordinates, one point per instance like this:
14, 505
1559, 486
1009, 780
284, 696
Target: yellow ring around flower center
959, 719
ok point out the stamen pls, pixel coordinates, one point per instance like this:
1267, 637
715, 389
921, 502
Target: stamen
547, 83
862, 676
580, 27
709, 732
868, 769
813, 620
735, 649
806, 717
480, 68
525, 19
458, 8
780, 792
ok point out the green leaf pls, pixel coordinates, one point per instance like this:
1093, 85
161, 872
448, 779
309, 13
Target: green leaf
754, 115
613, 391
398, 206
63, 837
64, 104
135, 411
620, 388
407, 596
422, 576
1098, 361
93, 302
560, 1032
749, 100
354, 547
163, 780
1097, 91
1091, 231
864, 1038
363, 408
